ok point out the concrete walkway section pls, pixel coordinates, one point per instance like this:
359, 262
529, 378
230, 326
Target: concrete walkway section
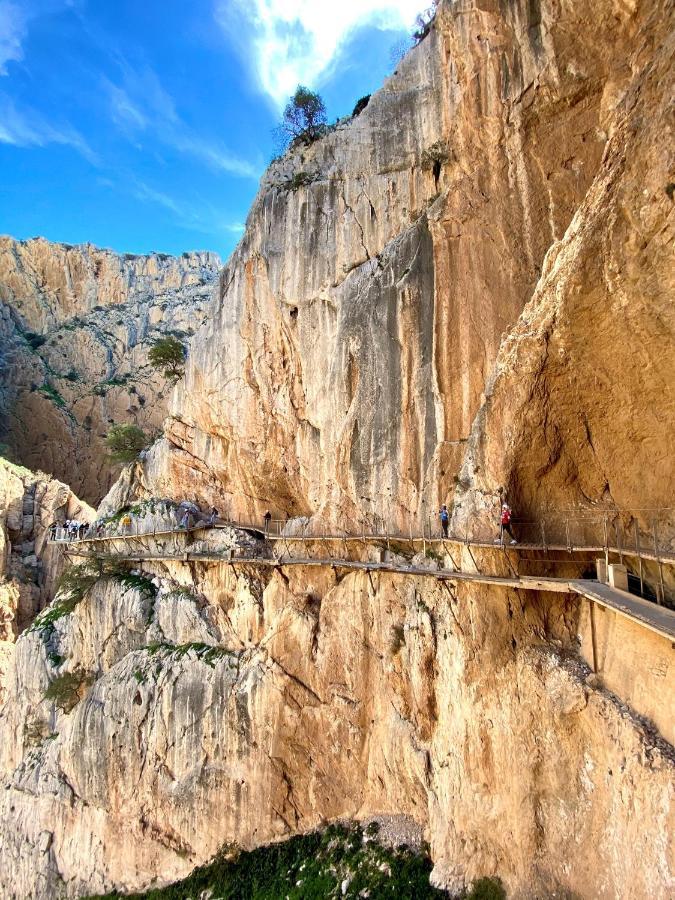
658, 618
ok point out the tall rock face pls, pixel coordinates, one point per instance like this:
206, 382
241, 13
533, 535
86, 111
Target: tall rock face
162, 718
347, 356
76, 326
29, 566
427, 300
581, 404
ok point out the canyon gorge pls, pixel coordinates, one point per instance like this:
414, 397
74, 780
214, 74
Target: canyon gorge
461, 293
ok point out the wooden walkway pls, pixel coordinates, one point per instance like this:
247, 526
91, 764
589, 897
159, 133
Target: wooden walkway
657, 618
258, 532
526, 582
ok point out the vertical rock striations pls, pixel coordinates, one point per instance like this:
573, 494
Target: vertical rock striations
76, 324
343, 365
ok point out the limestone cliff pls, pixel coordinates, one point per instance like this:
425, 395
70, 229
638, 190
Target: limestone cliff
381, 267
164, 717
29, 567
581, 404
76, 324
427, 300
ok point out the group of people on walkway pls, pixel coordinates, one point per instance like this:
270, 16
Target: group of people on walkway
73, 529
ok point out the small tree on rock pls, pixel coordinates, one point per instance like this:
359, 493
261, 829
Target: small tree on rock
424, 21
168, 356
304, 117
125, 443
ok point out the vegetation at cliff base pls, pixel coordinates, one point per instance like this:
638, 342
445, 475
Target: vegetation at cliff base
341, 861
125, 443
168, 356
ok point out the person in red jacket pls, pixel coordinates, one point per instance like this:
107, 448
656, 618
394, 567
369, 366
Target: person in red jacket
505, 524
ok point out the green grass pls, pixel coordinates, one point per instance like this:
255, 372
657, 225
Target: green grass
310, 867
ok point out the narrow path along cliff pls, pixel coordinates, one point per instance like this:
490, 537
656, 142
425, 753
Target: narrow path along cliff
461, 295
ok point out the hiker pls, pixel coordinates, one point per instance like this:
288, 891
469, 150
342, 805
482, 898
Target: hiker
126, 522
52, 531
505, 524
82, 530
213, 516
268, 518
185, 520
444, 516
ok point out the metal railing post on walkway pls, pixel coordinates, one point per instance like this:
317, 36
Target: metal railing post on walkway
637, 550
606, 538
594, 641
659, 599
618, 541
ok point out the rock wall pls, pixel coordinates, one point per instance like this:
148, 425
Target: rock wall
29, 567
382, 266
246, 705
76, 325
581, 404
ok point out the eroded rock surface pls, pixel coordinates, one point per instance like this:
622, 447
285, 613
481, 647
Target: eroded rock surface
381, 267
29, 566
581, 405
76, 325
248, 705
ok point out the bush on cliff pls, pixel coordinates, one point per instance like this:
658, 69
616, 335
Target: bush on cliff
125, 443
168, 356
304, 118
424, 21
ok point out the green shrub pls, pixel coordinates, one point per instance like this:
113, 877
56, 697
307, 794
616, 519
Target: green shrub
125, 443
298, 180
167, 355
65, 689
487, 889
360, 105
206, 653
304, 118
308, 867
34, 340
52, 394
397, 639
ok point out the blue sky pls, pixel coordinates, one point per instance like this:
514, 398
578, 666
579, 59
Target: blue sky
145, 125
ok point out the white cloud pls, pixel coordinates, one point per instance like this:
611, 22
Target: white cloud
28, 128
13, 27
141, 104
14, 20
296, 41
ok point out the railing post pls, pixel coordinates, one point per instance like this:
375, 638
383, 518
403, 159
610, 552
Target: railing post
594, 641
567, 534
661, 598
637, 550
606, 539
543, 536
618, 541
